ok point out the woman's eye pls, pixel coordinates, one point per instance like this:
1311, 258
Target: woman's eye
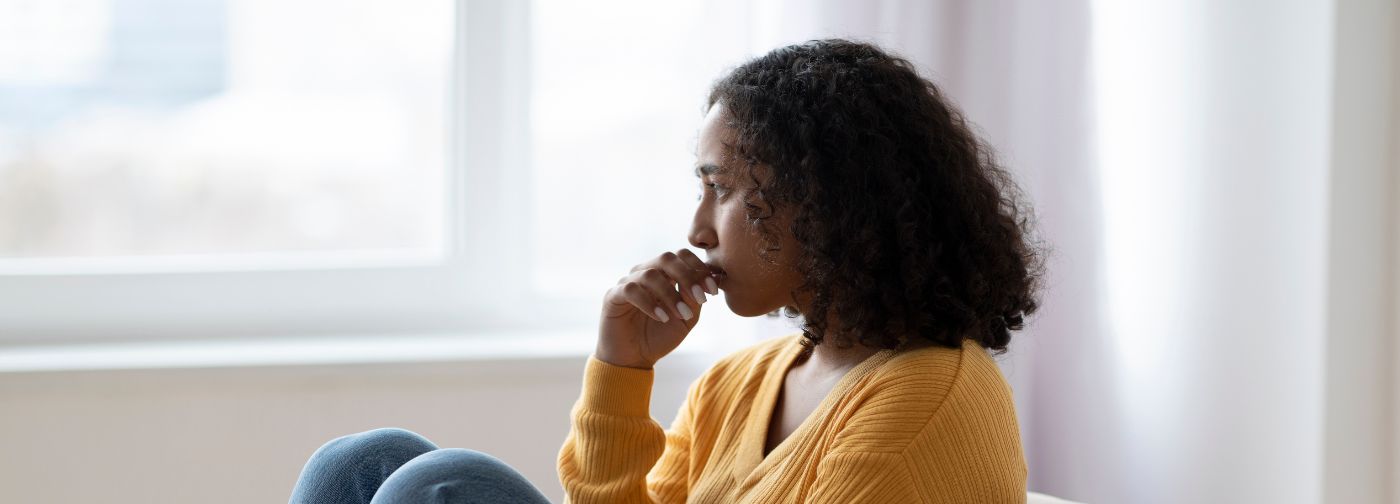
718, 189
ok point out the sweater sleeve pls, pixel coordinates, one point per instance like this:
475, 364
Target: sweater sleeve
669, 480
613, 442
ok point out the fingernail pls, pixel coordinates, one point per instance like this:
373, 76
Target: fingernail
714, 288
661, 314
685, 310
698, 292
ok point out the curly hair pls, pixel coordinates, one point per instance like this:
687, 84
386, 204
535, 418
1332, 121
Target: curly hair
909, 226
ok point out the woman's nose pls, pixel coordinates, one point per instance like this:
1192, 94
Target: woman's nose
698, 240
702, 236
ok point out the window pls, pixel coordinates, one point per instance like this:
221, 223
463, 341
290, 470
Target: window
240, 168
614, 131
219, 127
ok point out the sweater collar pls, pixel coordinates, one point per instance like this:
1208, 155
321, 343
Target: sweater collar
750, 464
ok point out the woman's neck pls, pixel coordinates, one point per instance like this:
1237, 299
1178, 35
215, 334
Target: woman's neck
828, 356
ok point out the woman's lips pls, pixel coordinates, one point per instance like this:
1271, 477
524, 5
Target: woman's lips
717, 272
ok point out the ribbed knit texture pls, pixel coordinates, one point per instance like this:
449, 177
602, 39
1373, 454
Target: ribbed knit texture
925, 425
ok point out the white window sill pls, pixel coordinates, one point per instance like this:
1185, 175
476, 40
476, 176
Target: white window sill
347, 349
300, 351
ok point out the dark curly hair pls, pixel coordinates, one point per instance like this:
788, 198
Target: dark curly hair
909, 226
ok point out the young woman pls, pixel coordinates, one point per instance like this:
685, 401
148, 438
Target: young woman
837, 185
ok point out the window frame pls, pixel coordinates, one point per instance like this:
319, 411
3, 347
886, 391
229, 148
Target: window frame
475, 286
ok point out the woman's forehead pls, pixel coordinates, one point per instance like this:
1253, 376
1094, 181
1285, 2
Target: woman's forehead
715, 131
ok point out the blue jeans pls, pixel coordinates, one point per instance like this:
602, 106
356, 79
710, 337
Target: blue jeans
395, 466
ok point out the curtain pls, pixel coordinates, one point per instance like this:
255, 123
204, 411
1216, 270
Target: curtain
1176, 155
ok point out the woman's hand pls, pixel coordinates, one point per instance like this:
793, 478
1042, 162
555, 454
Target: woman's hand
644, 315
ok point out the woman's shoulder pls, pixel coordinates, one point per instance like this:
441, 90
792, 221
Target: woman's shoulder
914, 389
939, 367
947, 413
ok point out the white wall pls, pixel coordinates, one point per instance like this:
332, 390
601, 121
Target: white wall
241, 435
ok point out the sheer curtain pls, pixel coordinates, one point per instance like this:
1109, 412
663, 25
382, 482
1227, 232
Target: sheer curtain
1177, 155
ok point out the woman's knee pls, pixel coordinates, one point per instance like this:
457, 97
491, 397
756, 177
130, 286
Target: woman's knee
453, 475
384, 448
450, 462
393, 438
350, 468
386, 440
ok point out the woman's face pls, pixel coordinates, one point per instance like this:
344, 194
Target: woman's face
752, 286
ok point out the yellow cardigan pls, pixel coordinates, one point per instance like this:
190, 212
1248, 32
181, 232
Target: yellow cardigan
932, 424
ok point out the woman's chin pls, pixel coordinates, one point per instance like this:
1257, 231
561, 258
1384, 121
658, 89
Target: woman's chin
736, 307
745, 309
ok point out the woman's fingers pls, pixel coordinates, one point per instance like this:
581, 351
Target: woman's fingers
703, 271
672, 286
667, 289
662, 285
689, 279
640, 297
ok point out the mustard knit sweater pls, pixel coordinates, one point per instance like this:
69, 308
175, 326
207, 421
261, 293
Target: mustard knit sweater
932, 424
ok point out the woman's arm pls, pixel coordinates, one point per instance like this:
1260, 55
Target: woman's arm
613, 443
670, 479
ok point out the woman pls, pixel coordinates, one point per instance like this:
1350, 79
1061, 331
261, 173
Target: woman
837, 185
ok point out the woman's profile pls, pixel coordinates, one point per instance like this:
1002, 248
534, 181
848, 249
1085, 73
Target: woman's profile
836, 185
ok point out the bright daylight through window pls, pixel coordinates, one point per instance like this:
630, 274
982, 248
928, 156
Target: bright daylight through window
149, 128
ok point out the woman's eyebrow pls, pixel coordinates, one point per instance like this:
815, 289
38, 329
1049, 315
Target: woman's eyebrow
709, 169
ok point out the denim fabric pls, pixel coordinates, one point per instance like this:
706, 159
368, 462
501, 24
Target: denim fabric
396, 466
